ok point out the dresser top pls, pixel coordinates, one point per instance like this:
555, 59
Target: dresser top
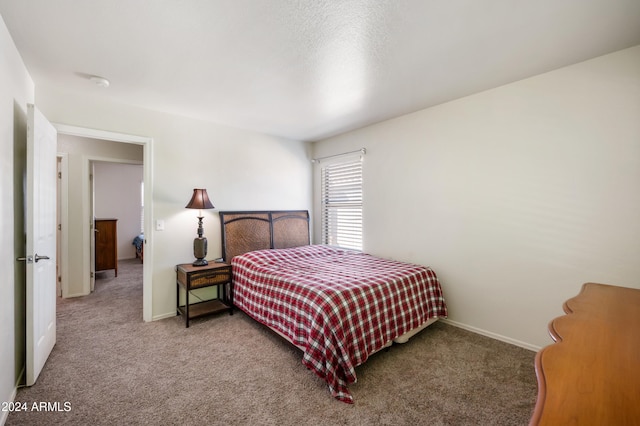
591, 375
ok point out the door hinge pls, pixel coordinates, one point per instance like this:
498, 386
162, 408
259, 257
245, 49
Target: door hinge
59, 175
59, 227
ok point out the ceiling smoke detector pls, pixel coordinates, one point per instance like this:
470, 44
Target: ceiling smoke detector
99, 81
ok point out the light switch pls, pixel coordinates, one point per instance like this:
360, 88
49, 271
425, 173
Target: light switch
159, 225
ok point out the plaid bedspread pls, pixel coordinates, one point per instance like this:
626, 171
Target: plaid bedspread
340, 306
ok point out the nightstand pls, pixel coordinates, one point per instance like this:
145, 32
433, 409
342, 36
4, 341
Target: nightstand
191, 277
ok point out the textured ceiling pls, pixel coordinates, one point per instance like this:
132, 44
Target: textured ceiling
306, 70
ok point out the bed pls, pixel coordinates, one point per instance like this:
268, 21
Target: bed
338, 306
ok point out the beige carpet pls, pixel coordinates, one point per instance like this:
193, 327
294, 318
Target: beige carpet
111, 368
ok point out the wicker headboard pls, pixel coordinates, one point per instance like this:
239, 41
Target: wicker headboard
256, 230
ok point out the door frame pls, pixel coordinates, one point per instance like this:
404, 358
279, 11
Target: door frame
147, 144
62, 255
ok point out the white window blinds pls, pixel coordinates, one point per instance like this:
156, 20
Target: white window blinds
341, 184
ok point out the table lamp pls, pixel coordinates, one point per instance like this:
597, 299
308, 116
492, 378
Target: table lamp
200, 201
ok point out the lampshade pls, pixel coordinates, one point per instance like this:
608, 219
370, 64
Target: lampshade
199, 200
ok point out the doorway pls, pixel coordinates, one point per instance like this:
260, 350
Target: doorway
80, 251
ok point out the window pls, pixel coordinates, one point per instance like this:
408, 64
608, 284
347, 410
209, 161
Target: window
341, 191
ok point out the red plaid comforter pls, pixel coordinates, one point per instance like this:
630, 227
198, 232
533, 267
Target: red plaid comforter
340, 306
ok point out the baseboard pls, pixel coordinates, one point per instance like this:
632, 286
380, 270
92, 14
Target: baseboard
164, 316
492, 335
69, 296
4, 414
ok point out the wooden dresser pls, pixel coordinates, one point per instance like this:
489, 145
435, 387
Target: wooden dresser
106, 231
591, 375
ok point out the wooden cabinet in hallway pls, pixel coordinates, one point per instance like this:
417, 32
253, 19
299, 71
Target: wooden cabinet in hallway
106, 231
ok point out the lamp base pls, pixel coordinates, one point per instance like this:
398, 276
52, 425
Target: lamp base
200, 251
200, 262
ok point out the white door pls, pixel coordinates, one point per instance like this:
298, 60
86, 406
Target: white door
41, 241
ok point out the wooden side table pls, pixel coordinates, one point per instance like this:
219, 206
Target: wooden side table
191, 277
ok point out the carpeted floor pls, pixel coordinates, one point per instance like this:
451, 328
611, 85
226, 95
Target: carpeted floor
109, 367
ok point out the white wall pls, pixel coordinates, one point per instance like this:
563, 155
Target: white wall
515, 196
16, 90
118, 195
240, 169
